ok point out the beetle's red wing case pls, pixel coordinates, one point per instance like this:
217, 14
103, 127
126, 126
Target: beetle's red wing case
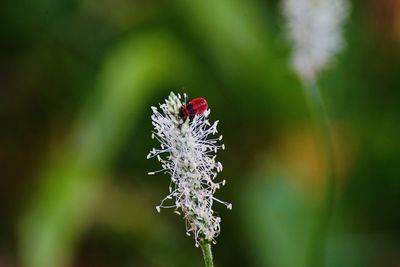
199, 105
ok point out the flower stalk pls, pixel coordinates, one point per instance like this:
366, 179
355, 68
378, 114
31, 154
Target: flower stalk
207, 254
321, 123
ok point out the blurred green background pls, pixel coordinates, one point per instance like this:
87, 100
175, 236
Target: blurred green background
77, 79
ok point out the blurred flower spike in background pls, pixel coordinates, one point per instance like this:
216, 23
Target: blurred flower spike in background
191, 161
315, 29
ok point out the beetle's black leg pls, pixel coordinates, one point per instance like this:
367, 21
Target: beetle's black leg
181, 114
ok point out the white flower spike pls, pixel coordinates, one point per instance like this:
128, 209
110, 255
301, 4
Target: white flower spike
187, 154
315, 29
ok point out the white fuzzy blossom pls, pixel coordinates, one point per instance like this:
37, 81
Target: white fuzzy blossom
315, 29
187, 154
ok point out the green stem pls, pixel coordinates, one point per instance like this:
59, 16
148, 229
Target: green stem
207, 253
321, 122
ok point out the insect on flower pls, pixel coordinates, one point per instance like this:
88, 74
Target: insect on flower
193, 107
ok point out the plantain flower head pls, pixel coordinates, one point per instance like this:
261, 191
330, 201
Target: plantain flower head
188, 155
315, 30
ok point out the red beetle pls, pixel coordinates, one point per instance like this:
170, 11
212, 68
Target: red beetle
193, 107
